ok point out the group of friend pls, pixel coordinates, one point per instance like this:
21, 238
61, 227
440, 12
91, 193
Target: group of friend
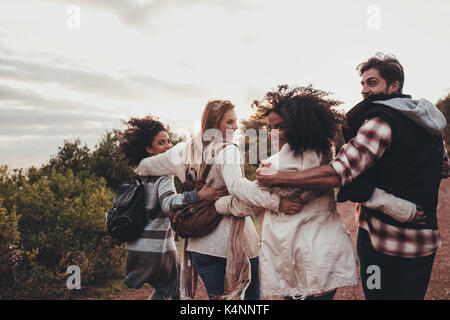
391, 165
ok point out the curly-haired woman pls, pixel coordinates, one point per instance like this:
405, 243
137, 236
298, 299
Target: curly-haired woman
309, 254
153, 258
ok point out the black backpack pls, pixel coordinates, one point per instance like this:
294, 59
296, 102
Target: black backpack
127, 218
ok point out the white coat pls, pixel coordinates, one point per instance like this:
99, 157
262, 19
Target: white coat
311, 252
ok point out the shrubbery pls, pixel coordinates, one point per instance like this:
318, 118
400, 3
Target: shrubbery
51, 218
61, 223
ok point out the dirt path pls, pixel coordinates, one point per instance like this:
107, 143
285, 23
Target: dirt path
439, 288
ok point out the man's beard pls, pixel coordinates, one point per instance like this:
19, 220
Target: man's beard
372, 94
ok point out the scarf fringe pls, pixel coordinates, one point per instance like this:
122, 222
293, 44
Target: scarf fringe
189, 276
238, 270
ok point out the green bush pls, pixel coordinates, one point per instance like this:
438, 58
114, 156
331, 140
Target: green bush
60, 221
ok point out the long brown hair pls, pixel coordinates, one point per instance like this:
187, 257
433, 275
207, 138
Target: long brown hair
213, 113
211, 117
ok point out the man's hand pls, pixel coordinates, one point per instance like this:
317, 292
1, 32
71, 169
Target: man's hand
317, 178
210, 193
420, 216
290, 207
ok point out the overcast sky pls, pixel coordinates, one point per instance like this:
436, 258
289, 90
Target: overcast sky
75, 68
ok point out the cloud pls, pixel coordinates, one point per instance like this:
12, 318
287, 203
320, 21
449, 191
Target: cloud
35, 150
71, 78
3, 33
127, 87
25, 114
19, 64
30, 137
19, 122
145, 14
29, 98
167, 87
34, 124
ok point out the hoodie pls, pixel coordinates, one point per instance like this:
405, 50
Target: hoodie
422, 112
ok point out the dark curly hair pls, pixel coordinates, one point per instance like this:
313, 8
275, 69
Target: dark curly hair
139, 135
311, 121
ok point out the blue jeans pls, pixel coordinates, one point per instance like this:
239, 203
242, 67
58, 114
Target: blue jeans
212, 272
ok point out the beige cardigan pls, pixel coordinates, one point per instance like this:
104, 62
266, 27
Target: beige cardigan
227, 170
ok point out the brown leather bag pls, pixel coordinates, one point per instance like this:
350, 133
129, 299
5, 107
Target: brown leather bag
196, 219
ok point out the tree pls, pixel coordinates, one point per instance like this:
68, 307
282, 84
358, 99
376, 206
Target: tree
49, 222
253, 143
174, 137
339, 139
71, 156
444, 105
107, 161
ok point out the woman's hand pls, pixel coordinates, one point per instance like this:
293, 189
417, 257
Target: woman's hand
289, 206
266, 175
420, 216
209, 193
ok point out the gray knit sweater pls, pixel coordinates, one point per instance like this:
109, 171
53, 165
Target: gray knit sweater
153, 258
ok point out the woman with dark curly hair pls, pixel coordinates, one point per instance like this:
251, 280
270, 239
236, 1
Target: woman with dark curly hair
309, 254
153, 258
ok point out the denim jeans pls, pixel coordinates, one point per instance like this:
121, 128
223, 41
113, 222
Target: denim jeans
212, 272
400, 278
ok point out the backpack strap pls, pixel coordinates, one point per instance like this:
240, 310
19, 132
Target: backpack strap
138, 179
206, 172
209, 166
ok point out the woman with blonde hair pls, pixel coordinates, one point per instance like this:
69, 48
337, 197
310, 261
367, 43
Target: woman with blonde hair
229, 254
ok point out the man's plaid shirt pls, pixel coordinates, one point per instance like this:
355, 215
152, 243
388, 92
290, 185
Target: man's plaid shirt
358, 155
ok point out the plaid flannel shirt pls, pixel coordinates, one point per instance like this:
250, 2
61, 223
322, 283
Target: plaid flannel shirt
358, 155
